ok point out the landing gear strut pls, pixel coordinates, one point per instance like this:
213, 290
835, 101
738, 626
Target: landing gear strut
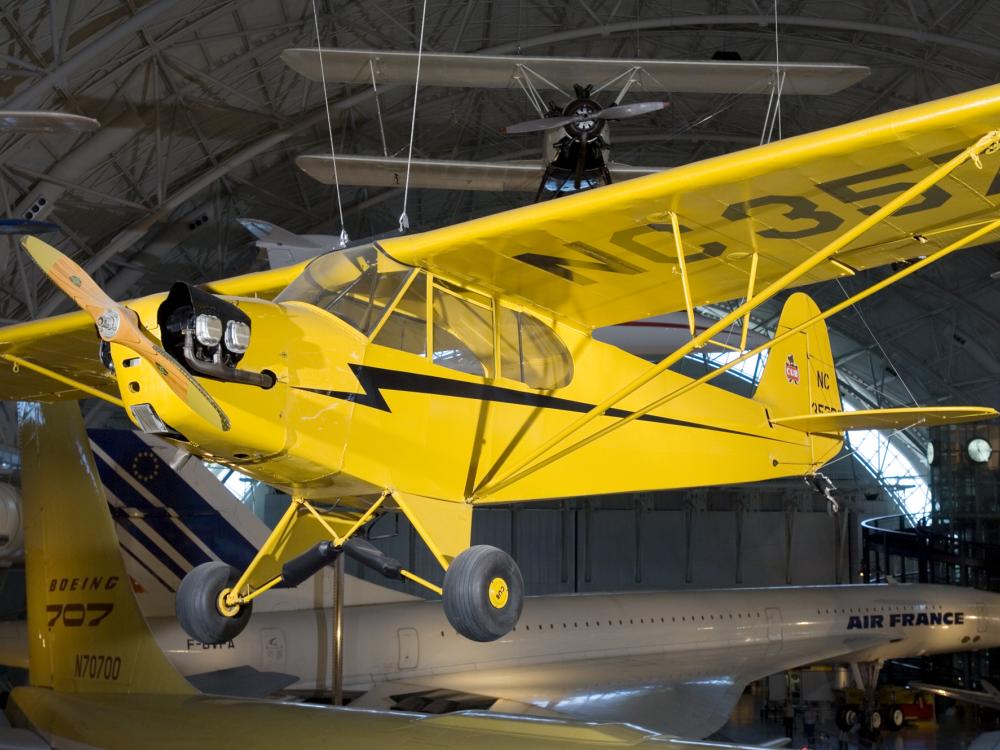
872, 717
483, 589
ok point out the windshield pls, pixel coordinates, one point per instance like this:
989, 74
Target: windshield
356, 285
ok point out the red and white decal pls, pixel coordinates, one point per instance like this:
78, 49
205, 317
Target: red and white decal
791, 370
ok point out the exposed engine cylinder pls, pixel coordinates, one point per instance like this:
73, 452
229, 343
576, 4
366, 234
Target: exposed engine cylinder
11, 526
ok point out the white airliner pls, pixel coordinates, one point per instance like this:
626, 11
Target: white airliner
673, 662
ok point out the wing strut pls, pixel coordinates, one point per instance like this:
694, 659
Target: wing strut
746, 318
675, 226
537, 459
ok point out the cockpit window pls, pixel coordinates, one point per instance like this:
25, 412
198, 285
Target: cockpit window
463, 331
531, 352
356, 285
461, 335
406, 327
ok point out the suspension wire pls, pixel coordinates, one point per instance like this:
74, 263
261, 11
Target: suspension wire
777, 110
329, 128
404, 220
378, 108
885, 355
778, 78
767, 113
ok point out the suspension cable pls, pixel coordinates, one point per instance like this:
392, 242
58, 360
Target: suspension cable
404, 220
329, 128
378, 109
779, 79
878, 343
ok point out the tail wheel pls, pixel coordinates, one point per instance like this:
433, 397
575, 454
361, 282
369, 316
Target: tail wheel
894, 718
483, 593
200, 606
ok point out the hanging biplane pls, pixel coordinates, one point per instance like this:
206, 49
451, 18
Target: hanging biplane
431, 373
575, 148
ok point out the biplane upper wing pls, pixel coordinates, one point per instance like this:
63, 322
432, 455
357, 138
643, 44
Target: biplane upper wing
560, 73
608, 255
68, 344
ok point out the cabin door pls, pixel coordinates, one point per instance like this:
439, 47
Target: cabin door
409, 648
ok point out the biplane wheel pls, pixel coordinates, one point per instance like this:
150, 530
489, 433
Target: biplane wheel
483, 593
197, 604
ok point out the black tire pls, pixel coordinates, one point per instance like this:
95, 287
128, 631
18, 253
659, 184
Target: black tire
196, 604
843, 718
467, 593
894, 718
852, 717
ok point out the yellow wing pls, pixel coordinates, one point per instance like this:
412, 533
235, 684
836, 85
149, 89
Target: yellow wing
886, 419
608, 255
68, 344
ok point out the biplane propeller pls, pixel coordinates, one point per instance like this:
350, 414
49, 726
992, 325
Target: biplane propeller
579, 161
428, 374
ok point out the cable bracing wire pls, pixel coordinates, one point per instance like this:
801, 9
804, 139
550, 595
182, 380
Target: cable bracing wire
329, 128
404, 220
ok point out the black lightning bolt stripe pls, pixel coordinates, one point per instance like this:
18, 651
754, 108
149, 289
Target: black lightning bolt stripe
374, 380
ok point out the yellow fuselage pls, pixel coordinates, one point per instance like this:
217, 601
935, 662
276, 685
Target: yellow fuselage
348, 417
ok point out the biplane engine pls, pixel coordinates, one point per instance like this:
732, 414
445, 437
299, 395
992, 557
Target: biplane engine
208, 334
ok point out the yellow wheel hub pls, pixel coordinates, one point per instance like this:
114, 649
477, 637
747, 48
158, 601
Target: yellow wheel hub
499, 593
225, 608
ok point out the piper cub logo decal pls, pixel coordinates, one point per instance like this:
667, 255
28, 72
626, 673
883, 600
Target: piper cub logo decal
905, 620
791, 370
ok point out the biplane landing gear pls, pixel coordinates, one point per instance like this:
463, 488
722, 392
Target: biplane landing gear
200, 605
483, 593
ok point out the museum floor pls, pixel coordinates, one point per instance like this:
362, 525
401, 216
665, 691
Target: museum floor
954, 730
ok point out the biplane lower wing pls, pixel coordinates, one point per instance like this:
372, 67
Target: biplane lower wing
885, 419
609, 255
387, 171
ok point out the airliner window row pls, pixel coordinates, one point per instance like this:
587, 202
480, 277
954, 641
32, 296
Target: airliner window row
889, 608
726, 616
642, 621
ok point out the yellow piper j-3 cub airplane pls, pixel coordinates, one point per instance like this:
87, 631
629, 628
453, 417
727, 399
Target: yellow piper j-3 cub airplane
430, 373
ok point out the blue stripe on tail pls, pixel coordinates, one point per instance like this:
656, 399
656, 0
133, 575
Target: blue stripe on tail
136, 458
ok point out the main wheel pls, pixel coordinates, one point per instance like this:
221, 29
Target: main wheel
198, 604
894, 718
483, 593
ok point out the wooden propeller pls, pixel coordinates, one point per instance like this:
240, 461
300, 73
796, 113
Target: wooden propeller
119, 325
